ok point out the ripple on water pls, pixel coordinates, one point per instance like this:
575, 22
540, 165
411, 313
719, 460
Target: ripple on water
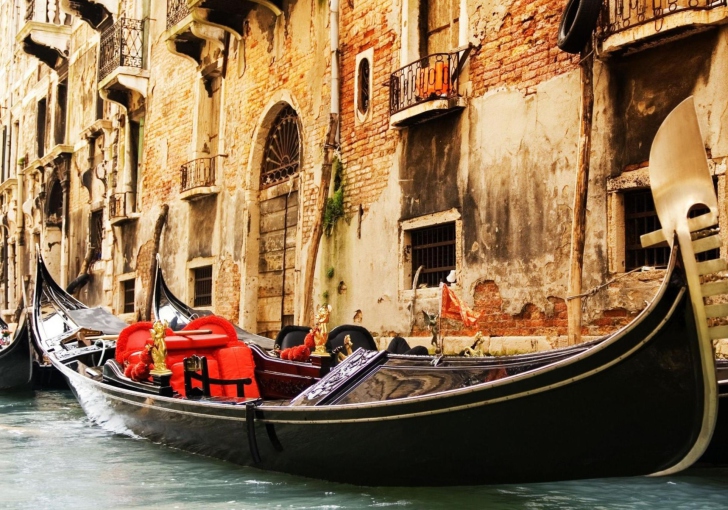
51, 456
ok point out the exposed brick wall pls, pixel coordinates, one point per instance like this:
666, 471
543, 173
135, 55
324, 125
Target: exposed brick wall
522, 51
367, 148
227, 286
531, 321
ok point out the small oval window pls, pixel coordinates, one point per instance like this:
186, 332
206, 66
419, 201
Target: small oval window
364, 80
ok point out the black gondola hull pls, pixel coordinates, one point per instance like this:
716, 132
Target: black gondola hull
16, 362
627, 407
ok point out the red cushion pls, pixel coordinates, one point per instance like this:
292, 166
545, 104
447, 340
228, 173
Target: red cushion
178, 378
177, 342
237, 363
217, 325
133, 338
212, 340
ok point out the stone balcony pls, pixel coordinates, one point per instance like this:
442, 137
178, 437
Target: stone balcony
631, 25
427, 88
46, 32
122, 72
193, 25
198, 178
95, 13
122, 208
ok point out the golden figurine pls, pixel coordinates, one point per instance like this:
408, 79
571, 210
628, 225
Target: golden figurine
348, 346
321, 330
476, 350
159, 349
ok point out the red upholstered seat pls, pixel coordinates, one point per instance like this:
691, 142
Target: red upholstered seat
133, 338
178, 378
237, 363
217, 325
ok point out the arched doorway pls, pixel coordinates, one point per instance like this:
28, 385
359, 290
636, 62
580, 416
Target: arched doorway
278, 223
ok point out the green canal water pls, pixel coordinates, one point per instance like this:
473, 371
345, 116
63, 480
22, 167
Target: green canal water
51, 456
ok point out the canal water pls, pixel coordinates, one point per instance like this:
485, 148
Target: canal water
51, 456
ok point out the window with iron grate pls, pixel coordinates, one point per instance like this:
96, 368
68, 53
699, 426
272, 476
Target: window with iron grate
203, 286
640, 218
434, 248
127, 289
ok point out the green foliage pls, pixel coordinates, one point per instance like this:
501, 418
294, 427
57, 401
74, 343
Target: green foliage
330, 272
325, 295
335, 203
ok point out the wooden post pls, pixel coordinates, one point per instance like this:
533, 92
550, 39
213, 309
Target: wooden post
318, 224
578, 230
161, 221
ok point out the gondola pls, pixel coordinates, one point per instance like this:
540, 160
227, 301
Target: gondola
87, 333
16, 359
167, 307
643, 401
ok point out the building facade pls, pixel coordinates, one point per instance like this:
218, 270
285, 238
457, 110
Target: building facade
204, 131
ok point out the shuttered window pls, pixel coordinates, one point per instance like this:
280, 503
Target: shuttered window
127, 288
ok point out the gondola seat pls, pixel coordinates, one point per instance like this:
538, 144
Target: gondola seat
196, 370
178, 377
291, 336
216, 325
132, 340
360, 337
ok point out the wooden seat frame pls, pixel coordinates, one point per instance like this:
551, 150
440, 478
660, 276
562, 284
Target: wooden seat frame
195, 367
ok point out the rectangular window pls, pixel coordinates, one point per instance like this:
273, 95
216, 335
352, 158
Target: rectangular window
127, 289
41, 126
61, 102
203, 286
640, 218
434, 249
96, 233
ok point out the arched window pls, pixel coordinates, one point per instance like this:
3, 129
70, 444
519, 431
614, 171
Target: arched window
364, 86
282, 156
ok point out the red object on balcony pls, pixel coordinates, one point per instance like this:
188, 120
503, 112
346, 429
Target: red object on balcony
433, 80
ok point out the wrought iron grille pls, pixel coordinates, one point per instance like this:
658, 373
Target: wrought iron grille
432, 77
282, 156
197, 173
122, 45
203, 286
177, 10
128, 295
640, 218
434, 248
29, 10
117, 206
364, 78
619, 15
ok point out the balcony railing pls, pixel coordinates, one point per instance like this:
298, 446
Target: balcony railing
620, 15
177, 10
198, 173
122, 45
29, 10
117, 206
432, 77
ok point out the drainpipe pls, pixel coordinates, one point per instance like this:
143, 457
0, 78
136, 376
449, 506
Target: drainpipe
64, 231
20, 232
334, 34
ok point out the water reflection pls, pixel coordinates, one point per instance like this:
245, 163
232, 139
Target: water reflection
51, 457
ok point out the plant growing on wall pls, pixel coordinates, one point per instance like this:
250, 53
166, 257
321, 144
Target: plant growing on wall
335, 203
